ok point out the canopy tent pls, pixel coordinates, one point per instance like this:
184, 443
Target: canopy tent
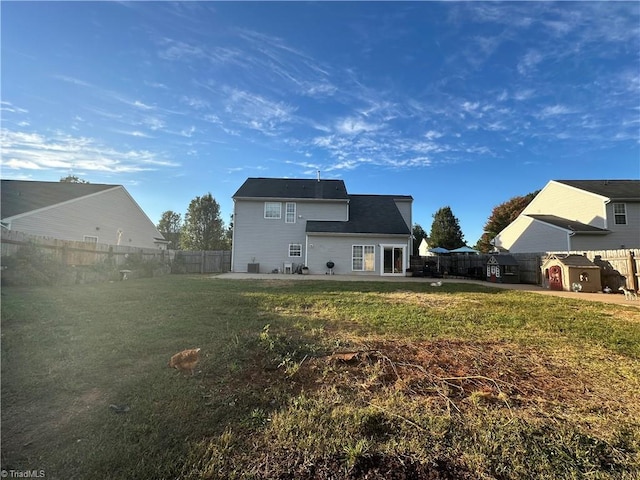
438, 251
464, 249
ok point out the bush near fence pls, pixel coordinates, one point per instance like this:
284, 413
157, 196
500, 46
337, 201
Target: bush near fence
33, 260
617, 267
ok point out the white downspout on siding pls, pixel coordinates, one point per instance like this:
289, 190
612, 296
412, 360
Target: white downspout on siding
604, 213
233, 238
306, 250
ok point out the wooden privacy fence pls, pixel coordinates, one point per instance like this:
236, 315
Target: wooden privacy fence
68, 252
618, 267
206, 261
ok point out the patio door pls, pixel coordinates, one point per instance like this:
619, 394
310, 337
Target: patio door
393, 259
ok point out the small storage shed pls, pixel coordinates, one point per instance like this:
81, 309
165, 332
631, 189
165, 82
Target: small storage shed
571, 273
503, 268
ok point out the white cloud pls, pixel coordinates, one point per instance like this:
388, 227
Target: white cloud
142, 106
32, 151
529, 62
554, 110
432, 134
9, 107
195, 102
354, 126
257, 112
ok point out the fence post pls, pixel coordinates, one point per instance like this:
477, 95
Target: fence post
631, 268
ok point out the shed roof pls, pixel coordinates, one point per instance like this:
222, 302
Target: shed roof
572, 260
571, 225
292, 188
613, 189
22, 196
503, 259
369, 214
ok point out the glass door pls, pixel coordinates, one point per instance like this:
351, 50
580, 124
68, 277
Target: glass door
393, 260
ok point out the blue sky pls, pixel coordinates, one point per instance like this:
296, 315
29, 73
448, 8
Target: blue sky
457, 104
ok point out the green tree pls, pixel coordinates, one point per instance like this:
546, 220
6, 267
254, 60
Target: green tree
445, 230
501, 216
72, 179
418, 235
203, 227
170, 226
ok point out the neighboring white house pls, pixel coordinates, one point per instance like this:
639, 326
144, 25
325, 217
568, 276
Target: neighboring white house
574, 215
77, 211
282, 224
423, 249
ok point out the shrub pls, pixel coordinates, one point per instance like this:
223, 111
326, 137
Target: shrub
30, 266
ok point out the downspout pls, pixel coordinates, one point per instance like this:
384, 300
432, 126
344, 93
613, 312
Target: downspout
569, 235
306, 250
233, 238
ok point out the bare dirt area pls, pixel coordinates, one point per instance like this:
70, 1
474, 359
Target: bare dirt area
449, 378
453, 373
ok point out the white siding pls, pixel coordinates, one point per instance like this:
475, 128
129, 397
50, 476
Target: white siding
405, 210
627, 235
338, 249
101, 215
570, 203
527, 235
266, 241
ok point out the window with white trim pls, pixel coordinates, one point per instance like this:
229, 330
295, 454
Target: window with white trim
90, 239
272, 210
295, 250
620, 213
290, 212
363, 258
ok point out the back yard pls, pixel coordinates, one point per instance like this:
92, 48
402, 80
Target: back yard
317, 380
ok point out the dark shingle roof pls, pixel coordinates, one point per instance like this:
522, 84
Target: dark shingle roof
572, 225
369, 214
21, 196
613, 189
504, 259
574, 260
292, 188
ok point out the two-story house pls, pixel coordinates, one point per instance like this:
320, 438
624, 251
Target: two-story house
281, 224
577, 215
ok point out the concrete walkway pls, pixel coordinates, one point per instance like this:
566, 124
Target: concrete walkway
616, 298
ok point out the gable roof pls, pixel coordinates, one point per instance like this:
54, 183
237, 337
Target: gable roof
503, 259
368, 214
21, 196
572, 260
292, 188
612, 189
571, 225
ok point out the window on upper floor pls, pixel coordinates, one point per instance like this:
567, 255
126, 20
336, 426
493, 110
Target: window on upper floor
295, 250
272, 210
90, 239
620, 213
290, 212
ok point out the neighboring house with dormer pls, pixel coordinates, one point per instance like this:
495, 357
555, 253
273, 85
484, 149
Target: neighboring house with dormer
84, 212
577, 215
281, 224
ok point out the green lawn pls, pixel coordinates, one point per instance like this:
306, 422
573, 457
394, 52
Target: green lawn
459, 381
